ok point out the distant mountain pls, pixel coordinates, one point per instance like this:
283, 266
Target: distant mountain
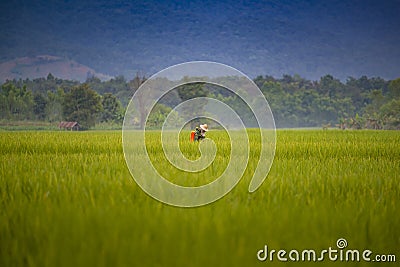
311, 38
41, 66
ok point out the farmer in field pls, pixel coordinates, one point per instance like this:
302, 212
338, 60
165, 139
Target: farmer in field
199, 133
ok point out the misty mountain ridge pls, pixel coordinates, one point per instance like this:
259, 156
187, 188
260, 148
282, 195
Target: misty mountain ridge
42, 65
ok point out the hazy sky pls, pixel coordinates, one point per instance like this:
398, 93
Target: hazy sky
310, 38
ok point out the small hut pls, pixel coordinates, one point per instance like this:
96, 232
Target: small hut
69, 125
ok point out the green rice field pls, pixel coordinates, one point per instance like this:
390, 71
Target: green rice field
68, 199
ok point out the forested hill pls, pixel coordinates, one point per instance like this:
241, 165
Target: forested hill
295, 101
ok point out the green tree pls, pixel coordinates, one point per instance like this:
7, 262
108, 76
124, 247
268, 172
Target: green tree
16, 102
39, 106
331, 86
377, 100
112, 110
83, 105
193, 90
394, 88
142, 100
50, 77
390, 112
55, 105
157, 116
275, 96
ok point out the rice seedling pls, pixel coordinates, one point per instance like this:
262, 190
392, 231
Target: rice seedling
68, 199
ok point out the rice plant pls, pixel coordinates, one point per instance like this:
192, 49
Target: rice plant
68, 199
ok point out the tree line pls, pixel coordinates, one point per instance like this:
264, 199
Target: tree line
295, 101
357, 103
54, 100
